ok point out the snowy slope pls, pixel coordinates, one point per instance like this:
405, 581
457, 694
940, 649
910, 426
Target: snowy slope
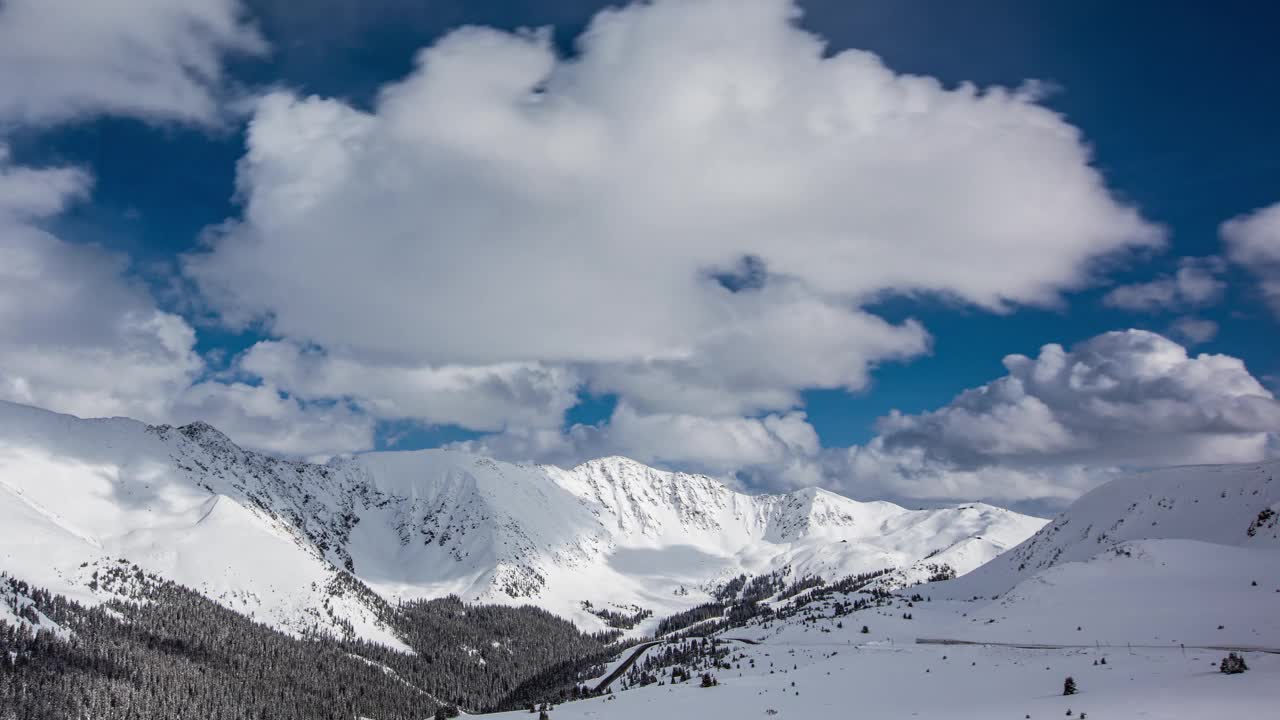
817, 671
1144, 592
268, 537
833, 679
1232, 505
1186, 555
77, 496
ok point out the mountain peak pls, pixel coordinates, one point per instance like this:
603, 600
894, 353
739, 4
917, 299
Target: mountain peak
201, 429
813, 493
619, 469
617, 462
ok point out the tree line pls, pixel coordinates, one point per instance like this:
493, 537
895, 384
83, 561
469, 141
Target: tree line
165, 652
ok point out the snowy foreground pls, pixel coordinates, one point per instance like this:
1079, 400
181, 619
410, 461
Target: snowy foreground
807, 673
972, 682
1137, 592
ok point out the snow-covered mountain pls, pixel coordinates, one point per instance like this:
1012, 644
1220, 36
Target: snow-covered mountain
268, 537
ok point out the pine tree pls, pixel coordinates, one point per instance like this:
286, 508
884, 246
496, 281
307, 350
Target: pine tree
1069, 687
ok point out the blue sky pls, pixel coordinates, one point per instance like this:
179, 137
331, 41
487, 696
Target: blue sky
1174, 104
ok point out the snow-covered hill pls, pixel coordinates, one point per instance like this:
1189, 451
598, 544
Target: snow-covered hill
268, 537
1226, 505
1185, 555
1144, 592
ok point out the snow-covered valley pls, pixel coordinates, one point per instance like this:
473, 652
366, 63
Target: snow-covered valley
1141, 624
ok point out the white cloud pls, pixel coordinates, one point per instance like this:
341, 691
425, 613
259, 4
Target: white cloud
502, 207
1195, 330
1055, 426
717, 445
909, 474
723, 444
78, 332
1061, 422
777, 341
79, 335
1197, 283
156, 59
487, 398
33, 193
1253, 241
262, 418
74, 334
507, 227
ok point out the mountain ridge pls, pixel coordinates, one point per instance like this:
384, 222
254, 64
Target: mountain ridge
269, 536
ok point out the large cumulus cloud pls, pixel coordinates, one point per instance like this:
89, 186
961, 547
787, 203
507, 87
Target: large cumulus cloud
1066, 419
692, 213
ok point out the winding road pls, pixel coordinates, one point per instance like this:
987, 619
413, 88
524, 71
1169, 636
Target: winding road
639, 650
626, 665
